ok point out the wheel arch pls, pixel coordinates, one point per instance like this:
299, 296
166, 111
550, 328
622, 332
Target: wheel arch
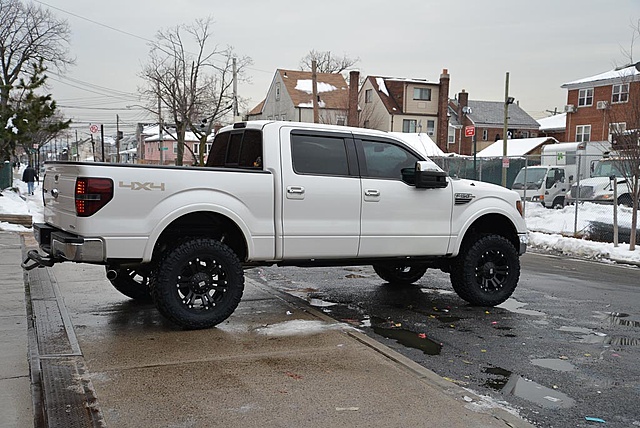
200, 223
491, 223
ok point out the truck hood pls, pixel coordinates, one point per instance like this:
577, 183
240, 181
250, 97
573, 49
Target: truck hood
480, 189
599, 182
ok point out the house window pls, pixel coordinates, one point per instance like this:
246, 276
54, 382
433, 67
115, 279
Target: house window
620, 93
366, 124
431, 127
341, 120
585, 97
485, 134
175, 148
525, 134
423, 94
368, 94
583, 133
616, 129
196, 148
277, 91
409, 125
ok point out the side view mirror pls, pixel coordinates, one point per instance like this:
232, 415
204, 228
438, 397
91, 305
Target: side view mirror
428, 176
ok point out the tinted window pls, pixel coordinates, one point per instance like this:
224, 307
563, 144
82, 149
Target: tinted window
237, 149
386, 160
319, 155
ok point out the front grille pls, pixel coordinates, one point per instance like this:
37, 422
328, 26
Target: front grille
586, 192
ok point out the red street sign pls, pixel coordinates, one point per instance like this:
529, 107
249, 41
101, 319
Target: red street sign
93, 129
469, 131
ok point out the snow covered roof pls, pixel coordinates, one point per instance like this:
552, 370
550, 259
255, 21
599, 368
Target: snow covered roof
608, 77
558, 121
420, 142
515, 147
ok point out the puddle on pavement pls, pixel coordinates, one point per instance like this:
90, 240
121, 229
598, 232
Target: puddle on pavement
507, 383
512, 305
406, 337
319, 303
617, 318
597, 338
553, 364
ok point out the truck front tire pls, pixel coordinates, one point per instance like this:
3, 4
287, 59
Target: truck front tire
199, 283
133, 283
486, 271
400, 274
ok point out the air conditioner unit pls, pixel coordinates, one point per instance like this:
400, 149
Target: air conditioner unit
601, 105
569, 108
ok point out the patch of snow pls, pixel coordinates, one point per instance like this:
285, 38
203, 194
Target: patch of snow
306, 85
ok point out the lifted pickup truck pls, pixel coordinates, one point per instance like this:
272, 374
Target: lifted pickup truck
282, 193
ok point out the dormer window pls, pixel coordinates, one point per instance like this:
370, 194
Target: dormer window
422, 94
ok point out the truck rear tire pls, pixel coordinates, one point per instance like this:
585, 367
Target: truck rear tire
486, 271
133, 283
199, 283
400, 274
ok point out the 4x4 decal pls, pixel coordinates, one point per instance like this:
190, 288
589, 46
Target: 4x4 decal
136, 185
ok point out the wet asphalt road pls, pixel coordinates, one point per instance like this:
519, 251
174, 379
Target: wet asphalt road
564, 348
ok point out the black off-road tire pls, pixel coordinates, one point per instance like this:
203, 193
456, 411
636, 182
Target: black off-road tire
199, 283
133, 283
625, 200
404, 275
486, 271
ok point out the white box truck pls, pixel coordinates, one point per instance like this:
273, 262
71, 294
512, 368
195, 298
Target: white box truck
560, 165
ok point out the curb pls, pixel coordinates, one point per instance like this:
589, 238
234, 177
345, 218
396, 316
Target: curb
420, 372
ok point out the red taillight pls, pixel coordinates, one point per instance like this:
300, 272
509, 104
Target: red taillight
92, 194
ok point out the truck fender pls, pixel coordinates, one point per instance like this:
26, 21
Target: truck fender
193, 208
479, 209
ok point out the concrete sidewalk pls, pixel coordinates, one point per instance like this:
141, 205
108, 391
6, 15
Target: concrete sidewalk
274, 363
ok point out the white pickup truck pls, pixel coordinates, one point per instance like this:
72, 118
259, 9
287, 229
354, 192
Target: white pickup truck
282, 193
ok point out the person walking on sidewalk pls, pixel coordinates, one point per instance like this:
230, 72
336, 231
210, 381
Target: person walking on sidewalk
29, 176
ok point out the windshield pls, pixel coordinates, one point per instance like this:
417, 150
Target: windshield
535, 177
606, 169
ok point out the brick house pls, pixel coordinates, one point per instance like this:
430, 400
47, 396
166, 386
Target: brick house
290, 98
488, 119
554, 126
599, 105
406, 105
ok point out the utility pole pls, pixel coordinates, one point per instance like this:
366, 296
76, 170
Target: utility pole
160, 145
117, 139
504, 131
77, 148
314, 86
235, 91
102, 141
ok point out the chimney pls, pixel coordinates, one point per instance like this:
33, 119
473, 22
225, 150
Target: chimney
442, 136
352, 113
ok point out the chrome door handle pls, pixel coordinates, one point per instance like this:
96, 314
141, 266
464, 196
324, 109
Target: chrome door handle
295, 189
372, 192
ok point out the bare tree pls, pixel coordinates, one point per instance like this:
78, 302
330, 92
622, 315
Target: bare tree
326, 62
29, 36
195, 87
624, 124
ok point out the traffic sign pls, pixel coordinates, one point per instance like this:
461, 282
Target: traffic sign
469, 131
93, 129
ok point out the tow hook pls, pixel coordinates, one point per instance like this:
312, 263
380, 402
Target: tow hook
38, 260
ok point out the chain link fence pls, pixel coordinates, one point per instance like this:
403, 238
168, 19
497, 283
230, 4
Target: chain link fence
598, 222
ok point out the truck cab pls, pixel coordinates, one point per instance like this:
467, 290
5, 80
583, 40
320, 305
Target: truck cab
546, 185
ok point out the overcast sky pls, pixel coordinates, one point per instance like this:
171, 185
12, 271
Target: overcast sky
542, 44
